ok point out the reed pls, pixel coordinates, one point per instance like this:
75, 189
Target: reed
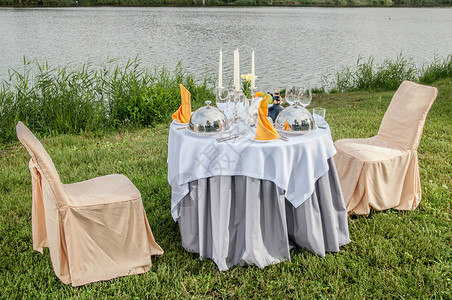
388, 75
71, 99
440, 68
74, 99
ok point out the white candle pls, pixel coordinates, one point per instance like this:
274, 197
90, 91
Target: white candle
253, 75
238, 70
220, 70
235, 69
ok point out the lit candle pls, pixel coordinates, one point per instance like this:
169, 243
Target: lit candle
253, 75
220, 70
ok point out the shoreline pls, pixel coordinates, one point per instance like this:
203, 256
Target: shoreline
243, 3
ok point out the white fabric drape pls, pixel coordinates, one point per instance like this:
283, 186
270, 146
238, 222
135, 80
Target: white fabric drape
294, 166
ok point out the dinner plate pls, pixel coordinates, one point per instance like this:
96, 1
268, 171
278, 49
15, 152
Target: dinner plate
179, 124
204, 133
301, 132
261, 141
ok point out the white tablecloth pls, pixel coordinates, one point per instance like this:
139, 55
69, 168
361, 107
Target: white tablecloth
294, 165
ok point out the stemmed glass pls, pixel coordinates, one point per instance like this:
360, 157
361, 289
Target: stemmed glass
305, 96
300, 95
292, 95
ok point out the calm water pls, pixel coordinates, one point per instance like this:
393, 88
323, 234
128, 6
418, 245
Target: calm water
291, 44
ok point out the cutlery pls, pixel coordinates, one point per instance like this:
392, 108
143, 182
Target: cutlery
227, 138
284, 138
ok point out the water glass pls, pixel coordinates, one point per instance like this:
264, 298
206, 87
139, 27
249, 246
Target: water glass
319, 115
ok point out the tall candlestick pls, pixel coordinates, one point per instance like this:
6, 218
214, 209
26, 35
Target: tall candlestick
253, 75
237, 74
220, 70
235, 68
238, 70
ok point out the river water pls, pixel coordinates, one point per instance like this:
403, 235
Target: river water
292, 45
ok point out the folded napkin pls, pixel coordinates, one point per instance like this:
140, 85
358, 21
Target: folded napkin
265, 130
286, 125
183, 113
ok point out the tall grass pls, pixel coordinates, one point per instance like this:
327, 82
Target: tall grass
74, 99
70, 99
440, 68
388, 75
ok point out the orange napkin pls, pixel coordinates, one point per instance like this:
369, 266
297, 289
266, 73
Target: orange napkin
265, 130
183, 113
286, 125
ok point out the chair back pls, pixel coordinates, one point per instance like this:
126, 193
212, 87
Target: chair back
404, 119
42, 159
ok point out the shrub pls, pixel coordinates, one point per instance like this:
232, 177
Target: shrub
72, 99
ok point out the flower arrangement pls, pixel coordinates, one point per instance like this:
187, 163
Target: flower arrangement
246, 84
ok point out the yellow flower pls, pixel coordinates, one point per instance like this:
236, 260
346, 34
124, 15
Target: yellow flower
248, 77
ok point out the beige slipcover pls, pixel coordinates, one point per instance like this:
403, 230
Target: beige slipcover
382, 172
95, 230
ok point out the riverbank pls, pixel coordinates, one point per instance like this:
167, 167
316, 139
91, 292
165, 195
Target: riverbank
79, 99
229, 3
393, 254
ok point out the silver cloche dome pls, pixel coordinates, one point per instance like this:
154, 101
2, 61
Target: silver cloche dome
298, 118
208, 119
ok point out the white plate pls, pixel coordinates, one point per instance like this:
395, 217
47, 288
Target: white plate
301, 132
179, 124
203, 133
262, 141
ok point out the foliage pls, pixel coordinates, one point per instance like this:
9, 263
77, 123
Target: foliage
388, 75
437, 70
393, 254
72, 99
226, 2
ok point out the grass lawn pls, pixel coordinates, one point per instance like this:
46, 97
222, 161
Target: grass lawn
393, 254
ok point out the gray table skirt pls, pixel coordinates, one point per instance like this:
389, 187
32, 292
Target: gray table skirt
237, 219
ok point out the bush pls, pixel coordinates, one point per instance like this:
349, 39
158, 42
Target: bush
72, 100
366, 75
437, 70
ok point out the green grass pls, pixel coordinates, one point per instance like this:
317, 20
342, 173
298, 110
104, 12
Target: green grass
387, 75
393, 254
76, 99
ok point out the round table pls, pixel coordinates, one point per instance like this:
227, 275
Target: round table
245, 201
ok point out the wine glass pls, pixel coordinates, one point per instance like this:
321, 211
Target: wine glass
292, 94
305, 96
300, 95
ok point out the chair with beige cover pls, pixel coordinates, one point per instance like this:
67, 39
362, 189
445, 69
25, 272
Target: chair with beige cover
382, 172
95, 230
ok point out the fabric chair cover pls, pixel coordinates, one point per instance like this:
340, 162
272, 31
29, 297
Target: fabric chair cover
382, 172
95, 230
